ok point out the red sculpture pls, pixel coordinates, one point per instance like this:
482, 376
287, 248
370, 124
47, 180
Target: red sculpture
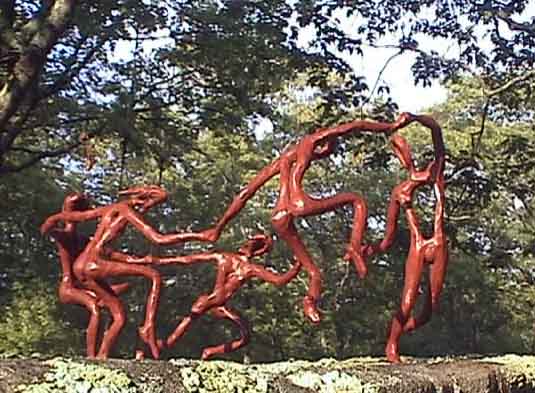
70, 244
233, 270
432, 250
86, 263
95, 262
294, 202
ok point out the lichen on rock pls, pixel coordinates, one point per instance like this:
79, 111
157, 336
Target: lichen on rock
222, 377
71, 377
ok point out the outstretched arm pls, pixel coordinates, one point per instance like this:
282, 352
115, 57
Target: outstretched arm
75, 216
274, 278
238, 203
128, 258
149, 232
186, 259
362, 125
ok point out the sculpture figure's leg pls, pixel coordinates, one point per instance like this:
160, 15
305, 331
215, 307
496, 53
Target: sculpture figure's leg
437, 275
360, 213
228, 313
118, 315
200, 306
282, 222
180, 330
147, 332
118, 289
413, 274
89, 301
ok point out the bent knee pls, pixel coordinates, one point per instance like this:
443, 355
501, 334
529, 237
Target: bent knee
93, 309
280, 220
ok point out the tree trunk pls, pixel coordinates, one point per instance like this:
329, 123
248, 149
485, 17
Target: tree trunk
29, 65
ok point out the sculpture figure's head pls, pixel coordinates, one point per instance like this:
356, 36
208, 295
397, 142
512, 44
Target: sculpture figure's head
402, 150
145, 197
257, 245
75, 202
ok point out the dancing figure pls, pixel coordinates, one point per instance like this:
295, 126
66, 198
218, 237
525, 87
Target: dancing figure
423, 250
294, 202
233, 270
70, 244
96, 262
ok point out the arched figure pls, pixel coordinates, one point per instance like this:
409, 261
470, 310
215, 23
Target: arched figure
432, 250
294, 202
96, 263
233, 270
70, 244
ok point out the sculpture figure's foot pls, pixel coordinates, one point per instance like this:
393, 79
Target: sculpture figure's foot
311, 310
410, 325
148, 336
369, 250
358, 261
392, 353
139, 355
207, 353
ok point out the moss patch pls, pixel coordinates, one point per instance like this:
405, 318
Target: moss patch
72, 377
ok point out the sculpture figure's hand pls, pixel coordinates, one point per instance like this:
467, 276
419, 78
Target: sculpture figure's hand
403, 120
209, 235
47, 226
147, 259
369, 250
358, 260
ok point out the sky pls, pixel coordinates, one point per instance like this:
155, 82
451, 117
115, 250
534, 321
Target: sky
397, 74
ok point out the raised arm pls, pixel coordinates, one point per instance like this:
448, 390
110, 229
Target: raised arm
362, 125
275, 278
76, 216
436, 133
239, 201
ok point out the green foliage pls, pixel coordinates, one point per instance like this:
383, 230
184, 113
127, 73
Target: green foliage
29, 321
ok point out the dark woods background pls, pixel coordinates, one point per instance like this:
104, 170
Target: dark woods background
98, 96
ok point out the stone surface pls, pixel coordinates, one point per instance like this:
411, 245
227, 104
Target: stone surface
500, 374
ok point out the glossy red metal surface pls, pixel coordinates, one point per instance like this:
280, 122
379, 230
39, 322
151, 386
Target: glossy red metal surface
294, 202
423, 250
233, 270
86, 263
96, 262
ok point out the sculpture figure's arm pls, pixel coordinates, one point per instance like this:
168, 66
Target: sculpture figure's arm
149, 232
128, 258
156, 260
424, 176
436, 133
392, 217
440, 205
76, 216
362, 125
238, 203
275, 278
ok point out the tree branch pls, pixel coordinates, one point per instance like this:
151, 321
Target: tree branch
506, 86
29, 66
38, 156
